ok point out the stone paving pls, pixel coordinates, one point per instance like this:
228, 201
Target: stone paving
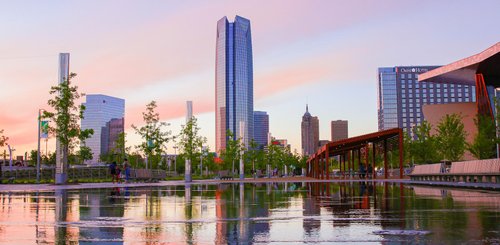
50, 187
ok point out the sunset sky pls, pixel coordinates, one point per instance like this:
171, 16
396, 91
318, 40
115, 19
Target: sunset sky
324, 53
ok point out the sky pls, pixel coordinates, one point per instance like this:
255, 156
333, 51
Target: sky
321, 53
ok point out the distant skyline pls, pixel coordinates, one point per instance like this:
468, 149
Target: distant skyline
323, 53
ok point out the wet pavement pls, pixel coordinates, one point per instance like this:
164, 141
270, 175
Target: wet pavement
290, 212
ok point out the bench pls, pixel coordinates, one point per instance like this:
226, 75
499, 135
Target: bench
475, 171
224, 174
259, 174
428, 172
147, 175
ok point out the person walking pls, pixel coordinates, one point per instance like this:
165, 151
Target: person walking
370, 171
112, 171
118, 172
361, 171
126, 167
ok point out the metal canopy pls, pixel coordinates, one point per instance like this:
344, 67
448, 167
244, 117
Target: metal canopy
463, 71
317, 165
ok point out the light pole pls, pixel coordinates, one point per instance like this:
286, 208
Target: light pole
496, 121
175, 160
201, 160
10, 156
38, 151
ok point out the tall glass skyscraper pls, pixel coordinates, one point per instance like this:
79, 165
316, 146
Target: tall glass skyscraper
401, 96
104, 114
260, 128
233, 80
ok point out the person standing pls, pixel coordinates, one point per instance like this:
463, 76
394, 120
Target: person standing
112, 171
370, 171
126, 167
361, 171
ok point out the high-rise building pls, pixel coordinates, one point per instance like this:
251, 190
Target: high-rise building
401, 96
105, 115
233, 80
110, 134
260, 128
340, 130
310, 133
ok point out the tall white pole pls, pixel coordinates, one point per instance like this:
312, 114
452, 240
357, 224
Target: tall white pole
10, 155
175, 160
496, 121
61, 168
189, 116
38, 152
242, 138
201, 161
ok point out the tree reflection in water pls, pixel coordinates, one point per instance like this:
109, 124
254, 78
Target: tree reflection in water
317, 212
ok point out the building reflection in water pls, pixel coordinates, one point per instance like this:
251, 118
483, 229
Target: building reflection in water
248, 213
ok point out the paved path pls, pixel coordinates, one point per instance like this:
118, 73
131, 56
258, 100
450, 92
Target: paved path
50, 187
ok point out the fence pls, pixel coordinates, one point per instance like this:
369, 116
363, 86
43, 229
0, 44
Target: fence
49, 173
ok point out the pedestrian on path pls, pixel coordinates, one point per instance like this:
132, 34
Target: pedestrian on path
112, 171
126, 167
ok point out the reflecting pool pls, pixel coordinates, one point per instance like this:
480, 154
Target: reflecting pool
260, 213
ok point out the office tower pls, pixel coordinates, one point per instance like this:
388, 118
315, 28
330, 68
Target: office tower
339, 130
110, 134
260, 128
105, 115
233, 80
310, 133
401, 96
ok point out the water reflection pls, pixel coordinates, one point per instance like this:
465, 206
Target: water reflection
252, 213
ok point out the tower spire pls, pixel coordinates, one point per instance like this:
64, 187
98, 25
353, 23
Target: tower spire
307, 108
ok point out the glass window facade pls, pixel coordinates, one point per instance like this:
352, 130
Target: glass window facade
234, 80
399, 96
261, 128
105, 115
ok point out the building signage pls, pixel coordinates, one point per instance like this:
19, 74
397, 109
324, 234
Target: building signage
413, 69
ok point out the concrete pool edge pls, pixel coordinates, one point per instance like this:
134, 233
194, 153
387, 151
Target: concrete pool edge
48, 187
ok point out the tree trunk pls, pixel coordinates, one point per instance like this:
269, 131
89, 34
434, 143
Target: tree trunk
232, 169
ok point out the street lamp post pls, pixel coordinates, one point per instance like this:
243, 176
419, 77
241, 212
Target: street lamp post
201, 160
496, 121
38, 151
175, 160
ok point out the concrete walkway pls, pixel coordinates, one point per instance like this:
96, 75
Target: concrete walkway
51, 187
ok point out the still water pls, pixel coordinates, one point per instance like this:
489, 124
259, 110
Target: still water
263, 213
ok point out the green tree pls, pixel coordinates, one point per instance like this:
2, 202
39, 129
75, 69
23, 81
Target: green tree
451, 137
50, 159
85, 153
275, 156
252, 154
483, 146
190, 142
119, 152
423, 147
3, 139
154, 138
232, 152
33, 157
67, 115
